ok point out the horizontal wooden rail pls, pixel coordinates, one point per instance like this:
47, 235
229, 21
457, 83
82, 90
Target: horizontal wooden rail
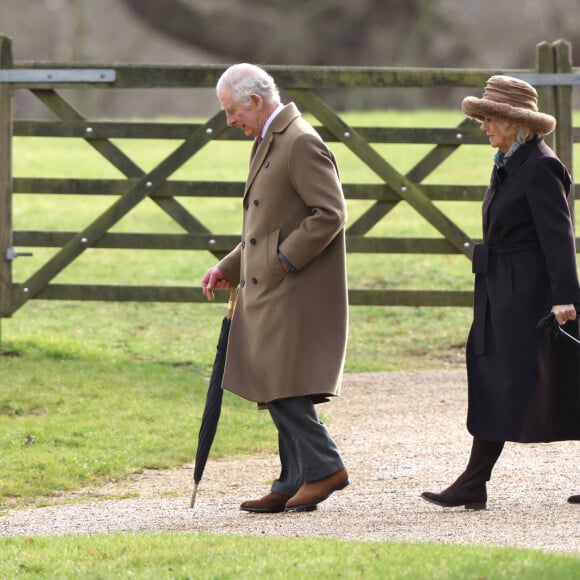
114, 293
294, 77
92, 130
232, 189
225, 243
31, 74
130, 130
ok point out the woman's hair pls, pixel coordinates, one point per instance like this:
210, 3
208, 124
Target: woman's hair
520, 133
246, 79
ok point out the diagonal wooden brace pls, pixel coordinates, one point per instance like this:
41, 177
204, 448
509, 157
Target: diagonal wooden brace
400, 184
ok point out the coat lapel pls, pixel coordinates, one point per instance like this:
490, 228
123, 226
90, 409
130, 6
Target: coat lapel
487, 199
258, 154
498, 175
257, 157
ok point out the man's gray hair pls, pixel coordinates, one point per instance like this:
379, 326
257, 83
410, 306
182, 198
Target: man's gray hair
245, 79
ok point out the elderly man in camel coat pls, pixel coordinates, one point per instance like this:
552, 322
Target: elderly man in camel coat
288, 335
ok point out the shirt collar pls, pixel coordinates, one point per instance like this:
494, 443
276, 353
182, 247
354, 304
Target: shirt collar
270, 119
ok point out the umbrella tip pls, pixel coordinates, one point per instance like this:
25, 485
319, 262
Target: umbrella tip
193, 494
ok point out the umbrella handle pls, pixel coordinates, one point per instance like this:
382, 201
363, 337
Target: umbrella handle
231, 302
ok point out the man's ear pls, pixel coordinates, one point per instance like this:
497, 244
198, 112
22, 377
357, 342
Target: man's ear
257, 100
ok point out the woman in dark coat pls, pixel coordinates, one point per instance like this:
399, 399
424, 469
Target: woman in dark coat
522, 386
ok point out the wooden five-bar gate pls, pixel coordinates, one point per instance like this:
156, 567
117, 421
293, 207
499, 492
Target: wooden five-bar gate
553, 76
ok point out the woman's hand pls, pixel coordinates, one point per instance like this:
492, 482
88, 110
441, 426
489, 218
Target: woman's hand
564, 313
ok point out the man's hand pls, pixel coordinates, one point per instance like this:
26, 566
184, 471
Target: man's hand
214, 279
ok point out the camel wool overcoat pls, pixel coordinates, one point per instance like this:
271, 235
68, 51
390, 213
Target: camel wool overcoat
522, 385
289, 330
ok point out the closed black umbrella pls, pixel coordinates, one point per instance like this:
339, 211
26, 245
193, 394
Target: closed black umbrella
213, 400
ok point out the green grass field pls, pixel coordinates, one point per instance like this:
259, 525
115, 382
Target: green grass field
92, 391
171, 556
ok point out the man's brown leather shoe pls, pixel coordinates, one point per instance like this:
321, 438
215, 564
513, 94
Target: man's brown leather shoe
574, 499
269, 504
313, 492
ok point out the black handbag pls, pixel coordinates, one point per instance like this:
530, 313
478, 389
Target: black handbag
549, 321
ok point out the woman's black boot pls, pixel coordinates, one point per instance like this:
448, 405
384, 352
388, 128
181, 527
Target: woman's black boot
469, 489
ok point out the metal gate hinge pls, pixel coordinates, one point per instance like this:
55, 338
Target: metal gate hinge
12, 254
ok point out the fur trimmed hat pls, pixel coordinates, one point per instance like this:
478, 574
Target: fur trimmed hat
512, 100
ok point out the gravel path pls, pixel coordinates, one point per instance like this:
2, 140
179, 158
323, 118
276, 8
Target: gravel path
400, 434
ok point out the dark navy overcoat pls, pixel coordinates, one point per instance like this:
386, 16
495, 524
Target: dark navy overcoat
524, 385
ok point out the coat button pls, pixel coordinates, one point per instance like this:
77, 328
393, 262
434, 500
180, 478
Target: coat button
253, 241
246, 205
243, 245
242, 283
256, 202
255, 280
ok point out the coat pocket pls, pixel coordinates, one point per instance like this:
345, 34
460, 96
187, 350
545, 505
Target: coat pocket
277, 272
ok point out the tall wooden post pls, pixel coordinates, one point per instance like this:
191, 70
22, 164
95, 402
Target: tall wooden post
564, 145
557, 101
546, 95
5, 183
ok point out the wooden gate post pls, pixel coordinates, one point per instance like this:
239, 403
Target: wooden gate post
546, 94
563, 100
5, 183
556, 100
